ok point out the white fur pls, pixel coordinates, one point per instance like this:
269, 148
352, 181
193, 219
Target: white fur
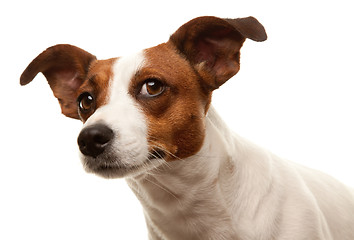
231, 189
122, 114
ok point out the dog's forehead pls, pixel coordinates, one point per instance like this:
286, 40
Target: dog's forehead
123, 76
114, 76
111, 79
124, 70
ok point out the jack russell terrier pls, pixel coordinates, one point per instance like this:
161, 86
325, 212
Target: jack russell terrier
147, 117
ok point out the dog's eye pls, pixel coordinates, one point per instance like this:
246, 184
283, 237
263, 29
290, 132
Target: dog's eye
85, 102
152, 88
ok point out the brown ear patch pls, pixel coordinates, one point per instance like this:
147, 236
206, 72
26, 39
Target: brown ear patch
212, 45
249, 27
65, 67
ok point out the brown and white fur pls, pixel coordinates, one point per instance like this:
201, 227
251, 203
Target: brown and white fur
147, 117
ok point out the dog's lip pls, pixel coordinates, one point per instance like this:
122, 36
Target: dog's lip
104, 168
116, 169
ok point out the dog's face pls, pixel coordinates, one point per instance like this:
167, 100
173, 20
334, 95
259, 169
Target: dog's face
150, 113
145, 109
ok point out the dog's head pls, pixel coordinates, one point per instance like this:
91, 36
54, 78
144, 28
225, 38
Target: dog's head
142, 110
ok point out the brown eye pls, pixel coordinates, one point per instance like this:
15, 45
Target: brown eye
85, 102
152, 88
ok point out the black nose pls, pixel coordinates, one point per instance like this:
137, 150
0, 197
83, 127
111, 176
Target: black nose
94, 139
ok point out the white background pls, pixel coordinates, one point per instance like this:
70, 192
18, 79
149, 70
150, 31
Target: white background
293, 95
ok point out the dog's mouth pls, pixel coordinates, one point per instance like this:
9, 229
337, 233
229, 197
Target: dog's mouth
109, 166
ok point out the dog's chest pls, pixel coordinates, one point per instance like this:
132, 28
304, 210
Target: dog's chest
177, 209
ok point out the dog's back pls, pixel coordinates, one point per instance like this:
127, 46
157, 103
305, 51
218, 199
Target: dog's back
277, 199
335, 201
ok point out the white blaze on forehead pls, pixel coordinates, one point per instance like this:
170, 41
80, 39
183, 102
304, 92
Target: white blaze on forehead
119, 102
123, 72
123, 105
122, 110
122, 113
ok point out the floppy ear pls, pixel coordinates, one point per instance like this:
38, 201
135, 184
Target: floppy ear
213, 45
65, 67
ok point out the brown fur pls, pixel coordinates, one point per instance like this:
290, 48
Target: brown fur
65, 68
169, 126
212, 45
208, 54
97, 83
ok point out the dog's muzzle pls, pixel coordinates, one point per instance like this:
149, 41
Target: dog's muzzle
94, 139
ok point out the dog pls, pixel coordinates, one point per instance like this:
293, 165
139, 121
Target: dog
148, 117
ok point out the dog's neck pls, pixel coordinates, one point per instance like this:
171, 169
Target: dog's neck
184, 198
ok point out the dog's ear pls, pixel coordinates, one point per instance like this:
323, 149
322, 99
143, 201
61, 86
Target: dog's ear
65, 67
213, 45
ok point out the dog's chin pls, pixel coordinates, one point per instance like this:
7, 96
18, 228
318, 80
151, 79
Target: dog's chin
114, 168
110, 171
